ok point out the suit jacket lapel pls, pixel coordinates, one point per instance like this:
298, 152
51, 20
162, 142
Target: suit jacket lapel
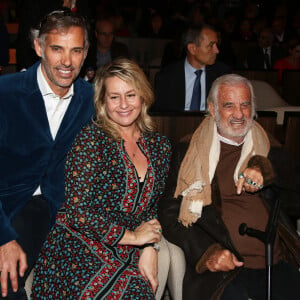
71, 114
210, 77
181, 91
34, 101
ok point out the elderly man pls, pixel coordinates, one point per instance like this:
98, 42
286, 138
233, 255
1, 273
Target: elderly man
184, 85
223, 181
41, 111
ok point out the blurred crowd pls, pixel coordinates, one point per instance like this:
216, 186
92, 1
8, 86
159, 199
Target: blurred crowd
241, 24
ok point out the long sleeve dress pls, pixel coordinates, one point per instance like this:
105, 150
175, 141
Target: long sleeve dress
81, 258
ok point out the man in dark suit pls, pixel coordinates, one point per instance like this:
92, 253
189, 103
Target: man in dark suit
174, 84
264, 55
41, 111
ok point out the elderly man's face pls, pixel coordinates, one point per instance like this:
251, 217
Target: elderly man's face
234, 115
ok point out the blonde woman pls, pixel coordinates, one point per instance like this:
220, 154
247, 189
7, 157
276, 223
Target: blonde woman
103, 244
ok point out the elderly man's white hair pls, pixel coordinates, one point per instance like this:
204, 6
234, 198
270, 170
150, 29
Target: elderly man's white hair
230, 80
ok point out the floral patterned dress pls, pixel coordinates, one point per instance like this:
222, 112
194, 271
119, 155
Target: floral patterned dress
81, 258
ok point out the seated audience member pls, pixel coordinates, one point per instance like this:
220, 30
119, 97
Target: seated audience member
280, 30
154, 28
105, 48
122, 29
184, 85
41, 112
264, 54
226, 178
244, 32
103, 244
291, 62
173, 50
4, 44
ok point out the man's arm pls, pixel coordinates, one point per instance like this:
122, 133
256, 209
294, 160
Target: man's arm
192, 240
204, 242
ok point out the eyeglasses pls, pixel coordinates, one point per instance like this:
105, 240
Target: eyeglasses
106, 34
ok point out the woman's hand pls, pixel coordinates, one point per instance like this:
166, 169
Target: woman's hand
147, 232
148, 266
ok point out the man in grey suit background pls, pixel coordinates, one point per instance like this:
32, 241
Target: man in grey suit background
175, 84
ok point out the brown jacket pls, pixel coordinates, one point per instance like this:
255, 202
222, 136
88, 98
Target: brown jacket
209, 232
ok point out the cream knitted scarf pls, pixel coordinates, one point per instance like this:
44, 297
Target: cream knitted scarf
199, 164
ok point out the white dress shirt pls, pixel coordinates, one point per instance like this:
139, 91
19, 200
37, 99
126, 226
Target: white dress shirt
190, 77
56, 107
267, 51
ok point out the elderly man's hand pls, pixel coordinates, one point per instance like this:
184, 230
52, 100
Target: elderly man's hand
251, 180
222, 260
11, 254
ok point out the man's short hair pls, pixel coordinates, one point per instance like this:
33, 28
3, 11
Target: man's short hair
193, 34
230, 80
60, 20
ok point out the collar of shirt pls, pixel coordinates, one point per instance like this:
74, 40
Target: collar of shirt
280, 37
267, 50
55, 106
190, 77
45, 88
228, 141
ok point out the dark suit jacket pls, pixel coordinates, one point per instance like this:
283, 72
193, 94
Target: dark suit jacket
170, 85
256, 58
29, 157
117, 50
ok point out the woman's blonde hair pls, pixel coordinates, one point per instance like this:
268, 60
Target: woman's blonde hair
128, 71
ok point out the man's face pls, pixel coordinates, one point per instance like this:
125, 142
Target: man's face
234, 114
104, 35
265, 39
62, 55
278, 26
206, 51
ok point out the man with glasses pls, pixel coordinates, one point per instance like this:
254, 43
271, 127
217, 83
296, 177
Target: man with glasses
105, 48
41, 111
